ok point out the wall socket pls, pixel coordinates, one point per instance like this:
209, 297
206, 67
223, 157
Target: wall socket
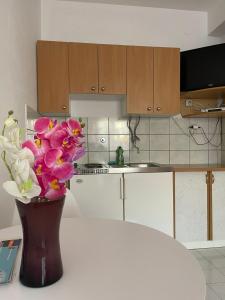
188, 103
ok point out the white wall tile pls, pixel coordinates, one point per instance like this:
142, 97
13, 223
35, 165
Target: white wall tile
99, 157
159, 125
213, 157
179, 142
159, 142
202, 122
142, 156
95, 143
179, 157
214, 125
199, 139
198, 157
143, 143
98, 126
160, 157
118, 126
83, 159
216, 142
179, 126
119, 140
144, 126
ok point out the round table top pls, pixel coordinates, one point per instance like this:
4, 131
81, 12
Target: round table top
115, 260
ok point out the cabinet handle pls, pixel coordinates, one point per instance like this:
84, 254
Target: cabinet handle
102, 89
158, 108
79, 181
93, 88
64, 107
213, 178
149, 108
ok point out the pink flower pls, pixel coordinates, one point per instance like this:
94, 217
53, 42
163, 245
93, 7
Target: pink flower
60, 168
53, 189
39, 147
74, 127
45, 127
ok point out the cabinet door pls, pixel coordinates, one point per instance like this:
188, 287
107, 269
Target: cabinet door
112, 69
139, 80
218, 206
149, 200
99, 196
53, 77
83, 68
166, 81
191, 207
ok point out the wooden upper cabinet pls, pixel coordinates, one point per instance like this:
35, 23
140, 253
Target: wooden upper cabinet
140, 72
53, 77
112, 69
83, 68
166, 81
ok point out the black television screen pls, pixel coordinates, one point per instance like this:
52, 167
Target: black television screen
203, 68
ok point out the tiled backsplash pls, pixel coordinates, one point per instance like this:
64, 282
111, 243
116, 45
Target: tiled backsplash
161, 141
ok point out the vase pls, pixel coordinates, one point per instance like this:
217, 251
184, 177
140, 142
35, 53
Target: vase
41, 263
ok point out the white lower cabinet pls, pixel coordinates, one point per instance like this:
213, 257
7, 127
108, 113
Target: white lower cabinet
99, 196
149, 200
144, 198
218, 206
191, 206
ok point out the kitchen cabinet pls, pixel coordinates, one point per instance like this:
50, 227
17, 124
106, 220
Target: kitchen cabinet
83, 68
53, 79
149, 200
191, 206
140, 97
99, 196
112, 69
153, 80
97, 68
218, 206
166, 81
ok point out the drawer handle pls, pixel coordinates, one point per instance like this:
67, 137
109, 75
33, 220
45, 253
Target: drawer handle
79, 181
64, 107
93, 88
103, 88
158, 108
149, 108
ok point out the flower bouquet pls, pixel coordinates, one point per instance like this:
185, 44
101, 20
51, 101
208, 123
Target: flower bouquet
39, 170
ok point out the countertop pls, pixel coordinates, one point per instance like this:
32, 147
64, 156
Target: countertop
196, 168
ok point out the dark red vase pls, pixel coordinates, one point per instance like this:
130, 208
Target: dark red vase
41, 263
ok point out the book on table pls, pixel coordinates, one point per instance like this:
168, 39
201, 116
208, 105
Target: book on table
8, 253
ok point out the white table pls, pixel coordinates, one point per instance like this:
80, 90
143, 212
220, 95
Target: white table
114, 260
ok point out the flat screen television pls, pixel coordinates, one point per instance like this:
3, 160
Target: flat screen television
203, 68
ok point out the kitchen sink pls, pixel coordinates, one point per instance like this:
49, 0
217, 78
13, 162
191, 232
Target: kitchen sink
137, 165
143, 165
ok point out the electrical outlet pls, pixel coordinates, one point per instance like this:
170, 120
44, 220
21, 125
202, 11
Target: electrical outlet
188, 103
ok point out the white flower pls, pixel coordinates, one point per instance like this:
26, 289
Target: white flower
24, 192
6, 145
10, 121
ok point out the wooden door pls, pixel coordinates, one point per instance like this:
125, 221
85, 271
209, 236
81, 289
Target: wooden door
112, 69
83, 68
139, 80
166, 81
53, 77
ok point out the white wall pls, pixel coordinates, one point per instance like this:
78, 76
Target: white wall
105, 23
19, 30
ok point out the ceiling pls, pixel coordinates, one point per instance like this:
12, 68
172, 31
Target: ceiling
196, 5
